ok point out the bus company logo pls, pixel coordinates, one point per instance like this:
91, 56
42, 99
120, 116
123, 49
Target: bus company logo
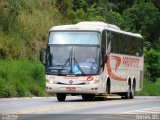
118, 61
117, 64
71, 81
89, 78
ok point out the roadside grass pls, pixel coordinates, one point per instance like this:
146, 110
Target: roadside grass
150, 88
21, 78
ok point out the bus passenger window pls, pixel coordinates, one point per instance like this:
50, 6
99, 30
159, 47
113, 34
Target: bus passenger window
103, 43
108, 38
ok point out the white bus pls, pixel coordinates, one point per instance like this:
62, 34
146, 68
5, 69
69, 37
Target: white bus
93, 59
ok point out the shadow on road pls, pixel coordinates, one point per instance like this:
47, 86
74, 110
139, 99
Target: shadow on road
94, 100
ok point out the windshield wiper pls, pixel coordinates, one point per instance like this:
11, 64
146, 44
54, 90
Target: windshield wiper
68, 60
56, 67
75, 61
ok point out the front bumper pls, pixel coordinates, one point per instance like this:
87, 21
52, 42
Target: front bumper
56, 88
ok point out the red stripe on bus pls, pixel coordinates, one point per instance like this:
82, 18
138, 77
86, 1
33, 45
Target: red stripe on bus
109, 70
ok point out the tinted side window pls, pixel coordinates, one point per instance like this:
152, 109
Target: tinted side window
121, 43
117, 43
124, 44
113, 43
103, 43
130, 47
108, 37
140, 46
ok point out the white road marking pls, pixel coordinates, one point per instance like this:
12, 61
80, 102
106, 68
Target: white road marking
152, 110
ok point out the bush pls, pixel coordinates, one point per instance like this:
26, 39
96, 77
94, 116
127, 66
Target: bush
150, 88
7, 90
21, 89
152, 64
36, 72
37, 90
20, 78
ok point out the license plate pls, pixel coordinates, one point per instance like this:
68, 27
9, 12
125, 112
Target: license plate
70, 88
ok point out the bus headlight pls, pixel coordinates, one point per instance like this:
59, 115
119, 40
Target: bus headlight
54, 82
50, 81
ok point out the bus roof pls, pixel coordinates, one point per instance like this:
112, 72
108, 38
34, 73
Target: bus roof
92, 26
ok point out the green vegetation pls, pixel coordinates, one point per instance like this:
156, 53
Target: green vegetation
24, 26
150, 88
21, 78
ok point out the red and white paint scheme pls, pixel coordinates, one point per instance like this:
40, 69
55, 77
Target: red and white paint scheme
114, 64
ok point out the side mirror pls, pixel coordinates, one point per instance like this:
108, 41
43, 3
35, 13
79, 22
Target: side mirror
41, 55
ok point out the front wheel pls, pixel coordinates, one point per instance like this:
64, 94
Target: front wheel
61, 97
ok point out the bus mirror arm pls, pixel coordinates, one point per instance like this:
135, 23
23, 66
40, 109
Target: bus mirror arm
104, 59
41, 56
101, 69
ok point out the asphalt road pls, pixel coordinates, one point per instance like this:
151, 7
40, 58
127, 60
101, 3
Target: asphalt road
74, 108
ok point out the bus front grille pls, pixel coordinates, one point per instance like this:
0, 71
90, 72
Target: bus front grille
70, 84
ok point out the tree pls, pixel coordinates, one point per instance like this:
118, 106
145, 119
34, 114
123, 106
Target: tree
152, 64
122, 4
143, 17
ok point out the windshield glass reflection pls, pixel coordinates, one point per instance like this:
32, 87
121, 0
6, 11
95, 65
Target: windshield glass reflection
78, 60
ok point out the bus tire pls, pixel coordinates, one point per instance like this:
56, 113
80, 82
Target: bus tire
61, 97
100, 98
132, 93
128, 93
84, 97
88, 97
108, 86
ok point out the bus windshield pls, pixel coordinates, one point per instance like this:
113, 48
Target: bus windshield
72, 60
90, 38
